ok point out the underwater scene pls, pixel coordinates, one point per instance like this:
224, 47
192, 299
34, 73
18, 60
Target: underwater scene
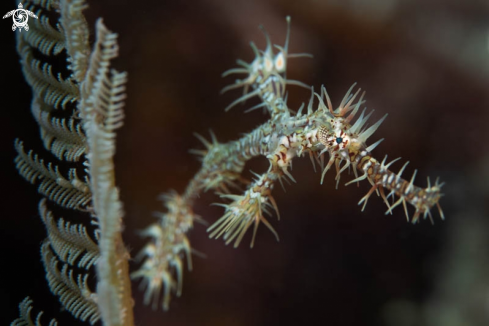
260, 162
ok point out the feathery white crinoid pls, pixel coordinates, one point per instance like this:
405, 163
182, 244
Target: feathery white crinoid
77, 116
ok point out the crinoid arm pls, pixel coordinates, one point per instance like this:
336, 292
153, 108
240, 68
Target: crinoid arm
25, 319
78, 115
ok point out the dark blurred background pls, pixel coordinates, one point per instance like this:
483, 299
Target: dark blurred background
425, 63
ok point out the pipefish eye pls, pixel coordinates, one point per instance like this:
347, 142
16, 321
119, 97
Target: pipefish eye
339, 140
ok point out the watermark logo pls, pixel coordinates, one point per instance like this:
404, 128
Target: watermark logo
20, 17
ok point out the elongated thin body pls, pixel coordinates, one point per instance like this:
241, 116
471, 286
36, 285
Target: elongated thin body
318, 131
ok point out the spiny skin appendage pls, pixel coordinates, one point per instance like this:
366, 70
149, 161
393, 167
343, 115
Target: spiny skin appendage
162, 257
423, 199
246, 210
346, 142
